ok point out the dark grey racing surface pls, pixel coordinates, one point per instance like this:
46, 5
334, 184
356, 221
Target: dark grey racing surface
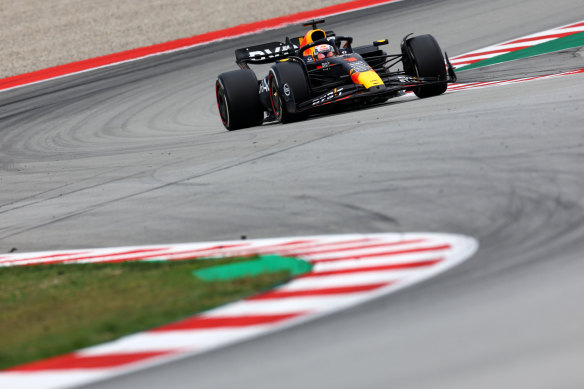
135, 154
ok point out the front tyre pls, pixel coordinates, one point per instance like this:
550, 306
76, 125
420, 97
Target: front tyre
423, 59
238, 99
287, 76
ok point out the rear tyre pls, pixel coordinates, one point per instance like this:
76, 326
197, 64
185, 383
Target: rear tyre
290, 74
238, 99
423, 58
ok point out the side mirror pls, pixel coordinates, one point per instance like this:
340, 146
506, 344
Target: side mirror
380, 42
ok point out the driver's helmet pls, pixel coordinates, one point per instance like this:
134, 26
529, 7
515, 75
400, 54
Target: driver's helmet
323, 51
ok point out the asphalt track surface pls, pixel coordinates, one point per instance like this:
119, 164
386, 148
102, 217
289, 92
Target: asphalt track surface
135, 154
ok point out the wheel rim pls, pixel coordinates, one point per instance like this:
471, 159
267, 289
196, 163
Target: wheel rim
275, 98
222, 104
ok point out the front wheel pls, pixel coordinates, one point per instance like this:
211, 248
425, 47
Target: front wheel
287, 78
423, 59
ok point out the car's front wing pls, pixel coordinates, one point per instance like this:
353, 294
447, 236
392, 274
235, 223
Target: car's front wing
352, 92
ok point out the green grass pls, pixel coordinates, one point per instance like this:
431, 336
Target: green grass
566, 42
49, 310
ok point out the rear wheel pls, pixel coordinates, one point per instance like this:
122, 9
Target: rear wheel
288, 78
238, 99
423, 58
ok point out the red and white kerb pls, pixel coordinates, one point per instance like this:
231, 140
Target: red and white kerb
348, 270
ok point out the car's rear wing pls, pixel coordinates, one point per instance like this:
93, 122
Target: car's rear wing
269, 52
264, 53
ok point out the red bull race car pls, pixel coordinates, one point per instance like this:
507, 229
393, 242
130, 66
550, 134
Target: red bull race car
322, 72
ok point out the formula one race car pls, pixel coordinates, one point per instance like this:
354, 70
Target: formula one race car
321, 72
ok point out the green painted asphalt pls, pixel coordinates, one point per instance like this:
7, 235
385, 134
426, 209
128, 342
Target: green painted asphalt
263, 264
563, 43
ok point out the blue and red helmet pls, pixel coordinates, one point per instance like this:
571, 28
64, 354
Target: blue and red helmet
323, 51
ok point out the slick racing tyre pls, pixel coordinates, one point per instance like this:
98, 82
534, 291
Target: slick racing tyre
423, 58
238, 99
287, 78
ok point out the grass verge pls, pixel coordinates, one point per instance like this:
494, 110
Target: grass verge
566, 42
49, 310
